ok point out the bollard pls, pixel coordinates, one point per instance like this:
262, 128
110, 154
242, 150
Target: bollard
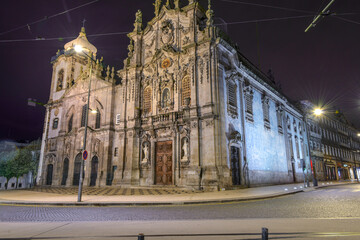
141, 236
265, 234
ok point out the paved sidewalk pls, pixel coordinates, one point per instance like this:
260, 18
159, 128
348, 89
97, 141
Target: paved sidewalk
30, 197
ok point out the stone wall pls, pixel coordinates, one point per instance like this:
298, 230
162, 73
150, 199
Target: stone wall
3, 182
12, 183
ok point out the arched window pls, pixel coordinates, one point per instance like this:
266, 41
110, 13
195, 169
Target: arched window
186, 91
70, 123
60, 80
77, 169
55, 123
165, 99
147, 100
65, 171
98, 119
83, 115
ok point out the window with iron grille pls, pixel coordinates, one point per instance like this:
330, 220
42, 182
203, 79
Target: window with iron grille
83, 115
55, 123
186, 90
98, 119
297, 147
117, 121
147, 100
116, 151
70, 123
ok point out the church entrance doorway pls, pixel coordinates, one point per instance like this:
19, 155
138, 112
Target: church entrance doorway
235, 165
163, 163
94, 170
65, 171
49, 174
77, 166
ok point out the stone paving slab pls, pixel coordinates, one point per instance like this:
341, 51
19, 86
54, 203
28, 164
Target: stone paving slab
30, 197
113, 191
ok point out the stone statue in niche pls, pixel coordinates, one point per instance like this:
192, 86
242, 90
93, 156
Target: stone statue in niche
166, 99
96, 147
146, 153
185, 151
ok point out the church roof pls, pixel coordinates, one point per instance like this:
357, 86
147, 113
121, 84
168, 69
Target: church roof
82, 41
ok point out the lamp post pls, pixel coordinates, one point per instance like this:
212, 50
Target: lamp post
79, 49
317, 112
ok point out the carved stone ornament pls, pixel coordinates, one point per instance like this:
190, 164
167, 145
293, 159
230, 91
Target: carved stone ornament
235, 136
53, 144
163, 133
166, 63
167, 30
145, 136
50, 158
209, 122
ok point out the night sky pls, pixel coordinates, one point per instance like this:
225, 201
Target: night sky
322, 65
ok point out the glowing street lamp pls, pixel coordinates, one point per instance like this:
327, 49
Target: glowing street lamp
78, 48
318, 111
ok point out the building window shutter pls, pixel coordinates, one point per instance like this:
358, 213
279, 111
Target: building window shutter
279, 116
249, 95
232, 99
266, 107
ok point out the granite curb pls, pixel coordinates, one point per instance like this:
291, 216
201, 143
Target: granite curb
167, 203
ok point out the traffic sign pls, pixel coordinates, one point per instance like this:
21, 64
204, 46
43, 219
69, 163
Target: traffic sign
85, 154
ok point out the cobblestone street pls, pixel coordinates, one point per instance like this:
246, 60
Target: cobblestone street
331, 202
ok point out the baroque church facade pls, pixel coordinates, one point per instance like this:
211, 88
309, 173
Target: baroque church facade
187, 110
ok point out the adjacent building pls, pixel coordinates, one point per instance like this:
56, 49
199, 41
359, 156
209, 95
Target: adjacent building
334, 144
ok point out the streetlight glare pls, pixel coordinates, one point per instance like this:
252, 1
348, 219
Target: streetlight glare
78, 48
318, 111
93, 111
358, 134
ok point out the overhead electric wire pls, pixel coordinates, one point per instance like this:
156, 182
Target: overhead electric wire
47, 18
123, 33
347, 20
286, 9
268, 6
335, 15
